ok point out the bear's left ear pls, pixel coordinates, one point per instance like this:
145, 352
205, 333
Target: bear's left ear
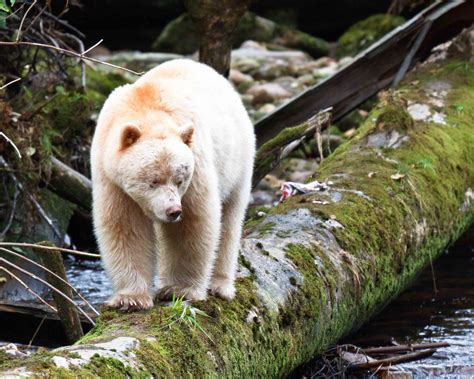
129, 135
186, 133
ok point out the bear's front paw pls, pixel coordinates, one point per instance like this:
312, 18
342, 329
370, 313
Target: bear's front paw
186, 293
222, 288
130, 302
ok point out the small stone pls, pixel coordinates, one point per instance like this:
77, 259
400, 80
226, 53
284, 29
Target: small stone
267, 108
238, 77
268, 92
419, 112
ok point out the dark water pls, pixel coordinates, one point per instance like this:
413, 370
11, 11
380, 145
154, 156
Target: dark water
424, 314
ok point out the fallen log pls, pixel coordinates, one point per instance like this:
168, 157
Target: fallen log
319, 265
70, 184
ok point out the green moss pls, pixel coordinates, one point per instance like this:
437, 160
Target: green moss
363, 33
394, 116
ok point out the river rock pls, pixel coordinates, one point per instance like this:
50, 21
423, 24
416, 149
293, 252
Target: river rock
238, 77
268, 92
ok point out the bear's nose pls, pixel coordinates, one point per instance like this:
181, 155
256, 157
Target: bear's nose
174, 213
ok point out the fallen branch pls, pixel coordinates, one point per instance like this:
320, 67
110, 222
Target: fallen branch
410, 357
403, 348
70, 184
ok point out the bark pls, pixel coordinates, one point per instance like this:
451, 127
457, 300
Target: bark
216, 21
317, 266
68, 314
70, 184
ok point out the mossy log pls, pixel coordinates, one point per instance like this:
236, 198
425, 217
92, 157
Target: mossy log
317, 266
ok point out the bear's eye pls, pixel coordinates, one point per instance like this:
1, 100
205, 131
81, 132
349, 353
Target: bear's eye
154, 183
179, 183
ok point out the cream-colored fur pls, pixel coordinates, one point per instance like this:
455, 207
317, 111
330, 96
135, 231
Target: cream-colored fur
172, 160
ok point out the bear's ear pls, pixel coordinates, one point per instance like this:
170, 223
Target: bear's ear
129, 135
186, 133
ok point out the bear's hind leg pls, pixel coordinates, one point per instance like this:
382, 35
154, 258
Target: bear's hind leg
126, 240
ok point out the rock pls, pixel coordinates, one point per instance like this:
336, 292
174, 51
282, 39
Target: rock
325, 71
258, 53
272, 69
363, 33
268, 92
267, 108
307, 79
12, 351
238, 77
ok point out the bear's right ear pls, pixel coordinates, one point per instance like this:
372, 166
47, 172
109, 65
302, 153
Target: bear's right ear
129, 135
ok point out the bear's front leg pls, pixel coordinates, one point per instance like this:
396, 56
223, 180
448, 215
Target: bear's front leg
126, 241
188, 248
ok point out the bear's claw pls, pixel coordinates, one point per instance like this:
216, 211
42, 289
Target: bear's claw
187, 293
130, 303
223, 289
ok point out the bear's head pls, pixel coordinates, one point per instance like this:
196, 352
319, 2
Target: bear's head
155, 171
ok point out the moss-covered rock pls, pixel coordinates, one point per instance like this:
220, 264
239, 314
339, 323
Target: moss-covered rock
363, 33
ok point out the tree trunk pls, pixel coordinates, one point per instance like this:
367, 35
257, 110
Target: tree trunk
216, 21
317, 266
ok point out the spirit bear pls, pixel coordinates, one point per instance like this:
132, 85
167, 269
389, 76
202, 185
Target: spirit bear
172, 160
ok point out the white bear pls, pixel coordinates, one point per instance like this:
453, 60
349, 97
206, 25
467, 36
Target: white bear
172, 160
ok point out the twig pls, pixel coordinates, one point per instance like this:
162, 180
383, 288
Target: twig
52, 273
433, 277
36, 18
393, 360
93, 46
36, 246
83, 62
36, 332
50, 286
68, 52
23, 20
10, 141
27, 288
403, 348
6, 85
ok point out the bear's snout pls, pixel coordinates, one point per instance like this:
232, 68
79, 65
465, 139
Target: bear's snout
174, 213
